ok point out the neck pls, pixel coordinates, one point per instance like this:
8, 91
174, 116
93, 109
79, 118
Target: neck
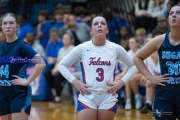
66, 46
124, 37
134, 50
43, 21
99, 41
175, 34
11, 38
73, 27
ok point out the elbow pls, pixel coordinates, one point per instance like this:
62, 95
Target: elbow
59, 66
134, 59
43, 65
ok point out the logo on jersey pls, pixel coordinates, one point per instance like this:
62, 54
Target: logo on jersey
93, 61
170, 55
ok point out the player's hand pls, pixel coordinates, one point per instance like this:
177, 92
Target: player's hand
19, 81
81, 87
158, 80
115, 86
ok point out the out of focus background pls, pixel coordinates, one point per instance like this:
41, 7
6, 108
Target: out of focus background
54, 27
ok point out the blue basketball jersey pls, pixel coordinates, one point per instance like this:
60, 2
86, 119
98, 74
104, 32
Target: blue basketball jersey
9, 67
169, 57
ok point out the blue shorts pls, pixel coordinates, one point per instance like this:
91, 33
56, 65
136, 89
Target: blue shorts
13, 100
166, 103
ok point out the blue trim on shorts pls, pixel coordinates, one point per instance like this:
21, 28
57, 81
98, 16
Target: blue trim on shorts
81, 106
113, 108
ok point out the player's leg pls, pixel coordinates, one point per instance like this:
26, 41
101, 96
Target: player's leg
86, 107
20, 103
87, 114
20, 116
133, 83
108, 107
128, 105
164, 107
5, 112
178, 104
5, 117
105, 115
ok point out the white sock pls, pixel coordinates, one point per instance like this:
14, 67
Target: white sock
128, 100
149, 102
137, 96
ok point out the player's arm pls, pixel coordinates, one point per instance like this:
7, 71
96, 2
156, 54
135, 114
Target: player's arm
39, 66
127, 60
152, 46
123, 56
72, 57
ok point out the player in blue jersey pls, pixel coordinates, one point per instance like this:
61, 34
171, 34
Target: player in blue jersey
15, 94
167, 92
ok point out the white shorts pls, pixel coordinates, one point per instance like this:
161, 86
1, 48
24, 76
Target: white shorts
98, 100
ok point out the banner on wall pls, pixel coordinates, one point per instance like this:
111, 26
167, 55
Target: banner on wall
40, 89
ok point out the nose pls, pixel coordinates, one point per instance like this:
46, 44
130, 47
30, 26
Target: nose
174, 15
99, 25
8, 25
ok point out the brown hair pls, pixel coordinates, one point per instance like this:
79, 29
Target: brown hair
59, 12
44, 13
136, 40
157, 32
52, 30
11, 15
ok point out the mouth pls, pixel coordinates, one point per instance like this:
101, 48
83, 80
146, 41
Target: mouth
99, 31
173, 20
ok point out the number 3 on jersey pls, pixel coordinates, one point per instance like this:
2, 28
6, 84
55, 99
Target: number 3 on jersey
100, 72
4, 71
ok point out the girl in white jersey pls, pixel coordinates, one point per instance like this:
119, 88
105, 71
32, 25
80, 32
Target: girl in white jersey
97, 99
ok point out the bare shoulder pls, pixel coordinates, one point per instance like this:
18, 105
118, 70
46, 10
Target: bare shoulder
156, 41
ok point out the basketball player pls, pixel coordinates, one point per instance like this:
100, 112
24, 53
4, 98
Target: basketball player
15, 94
166, 101
98, 98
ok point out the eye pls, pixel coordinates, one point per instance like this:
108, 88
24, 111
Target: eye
171, 13
4, 23
96, 23
11, 22
178, 12
103, 23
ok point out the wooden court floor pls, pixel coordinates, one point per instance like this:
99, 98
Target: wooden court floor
42, 111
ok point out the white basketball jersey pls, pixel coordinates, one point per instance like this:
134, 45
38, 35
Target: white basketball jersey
98, 64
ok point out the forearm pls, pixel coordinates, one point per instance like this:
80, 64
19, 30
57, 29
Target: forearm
142, 67
37, 70
65, 72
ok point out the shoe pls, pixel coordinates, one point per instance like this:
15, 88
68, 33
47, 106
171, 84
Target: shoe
146, 108
55, 103
138, 103
128, 106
